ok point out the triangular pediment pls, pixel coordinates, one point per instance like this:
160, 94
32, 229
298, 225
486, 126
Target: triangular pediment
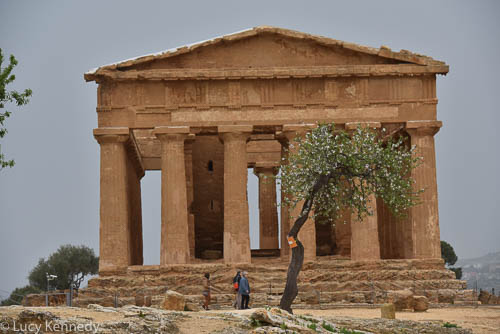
266, 47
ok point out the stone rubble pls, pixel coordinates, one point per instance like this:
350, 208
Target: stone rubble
133, 319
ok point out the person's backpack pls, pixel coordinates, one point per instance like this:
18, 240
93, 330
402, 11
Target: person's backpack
236, 282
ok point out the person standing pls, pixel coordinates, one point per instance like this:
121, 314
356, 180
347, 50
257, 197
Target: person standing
207, 287
244, 290
236, 287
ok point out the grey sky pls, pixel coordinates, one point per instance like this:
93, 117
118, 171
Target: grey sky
51, 197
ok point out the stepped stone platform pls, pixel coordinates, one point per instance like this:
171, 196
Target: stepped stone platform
325, 283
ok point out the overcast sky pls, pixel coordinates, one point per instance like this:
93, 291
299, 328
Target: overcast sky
51, 196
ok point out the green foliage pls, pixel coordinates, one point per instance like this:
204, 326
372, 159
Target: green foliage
284, 326
450, 325
255, 323
69, 263
355, 166
312, 326
16, 297
450, 258
448, 253
6, 96
348, 331
457, 271
328, 327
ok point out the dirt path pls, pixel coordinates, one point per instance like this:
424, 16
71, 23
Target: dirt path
482, 320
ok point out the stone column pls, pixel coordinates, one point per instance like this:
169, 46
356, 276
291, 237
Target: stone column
268, 214
135, 172
285, 214
365, 241
365, 244
307, 234
236, 220
188, 158
114, 230
424, 218
343, 233
174, 215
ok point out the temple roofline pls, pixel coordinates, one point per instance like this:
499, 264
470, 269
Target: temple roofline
383, 51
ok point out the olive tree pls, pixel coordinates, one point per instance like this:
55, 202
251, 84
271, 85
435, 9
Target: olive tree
9, 96
332, 170
71, 264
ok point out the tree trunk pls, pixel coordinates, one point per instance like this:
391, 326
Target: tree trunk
291, 289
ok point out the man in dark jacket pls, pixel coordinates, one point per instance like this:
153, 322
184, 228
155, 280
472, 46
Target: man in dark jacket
244, 290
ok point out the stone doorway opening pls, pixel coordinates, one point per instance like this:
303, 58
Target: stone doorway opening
264, 195
151, 216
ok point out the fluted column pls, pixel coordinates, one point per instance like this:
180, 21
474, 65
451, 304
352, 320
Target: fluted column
365, 244
307, 234
365, 241
343, 233
188, 158
236, 220
424, 218
114, 230
268, 214
174, 215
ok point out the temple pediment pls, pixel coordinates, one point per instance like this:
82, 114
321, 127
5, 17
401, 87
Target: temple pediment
266, 48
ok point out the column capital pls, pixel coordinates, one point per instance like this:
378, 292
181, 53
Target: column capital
290, 131
112, 135
232, 132
423, 128
171, 132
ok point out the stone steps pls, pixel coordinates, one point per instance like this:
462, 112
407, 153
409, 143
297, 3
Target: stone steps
275, 289
335, 280
311, 277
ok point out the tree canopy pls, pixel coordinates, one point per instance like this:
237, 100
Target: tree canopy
450, 258
332, 170
448, 253
16, 297
6, 96
69, 263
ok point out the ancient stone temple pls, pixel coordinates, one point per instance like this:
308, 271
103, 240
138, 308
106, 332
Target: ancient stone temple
205, 113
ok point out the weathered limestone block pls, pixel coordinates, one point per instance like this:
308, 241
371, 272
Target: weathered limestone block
446, 296
174, 301
420, 303
195, 307
312, 297
139, 300
388, 311
402, 299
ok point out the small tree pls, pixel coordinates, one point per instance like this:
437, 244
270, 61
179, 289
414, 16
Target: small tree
6, 77
450, 258
448, 253
333, 170
16, 297
69, 263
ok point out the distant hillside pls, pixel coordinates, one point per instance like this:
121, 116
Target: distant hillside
490, 258
482, 272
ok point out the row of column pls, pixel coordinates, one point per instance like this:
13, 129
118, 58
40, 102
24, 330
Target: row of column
120, 187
